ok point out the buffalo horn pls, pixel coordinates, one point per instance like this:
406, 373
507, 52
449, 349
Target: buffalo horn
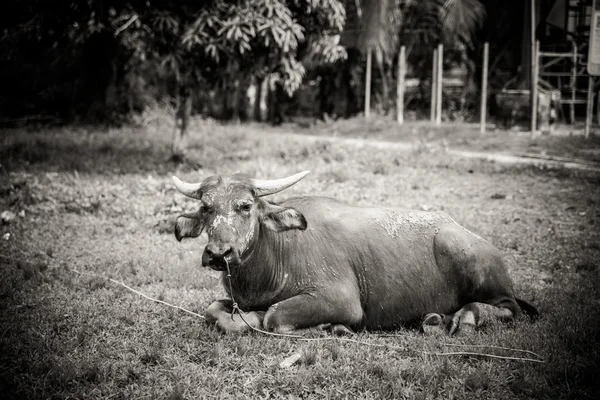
189, 189
267, 187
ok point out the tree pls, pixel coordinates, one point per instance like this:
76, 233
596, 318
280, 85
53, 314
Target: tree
170, 45
226, 45
251, 40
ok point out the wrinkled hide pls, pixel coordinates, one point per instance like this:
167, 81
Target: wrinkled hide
313, 261
385, 266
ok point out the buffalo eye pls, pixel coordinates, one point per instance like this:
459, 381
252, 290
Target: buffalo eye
246, 207
207, 209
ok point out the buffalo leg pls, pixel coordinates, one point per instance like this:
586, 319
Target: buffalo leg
298, 313
219, 313
473, 316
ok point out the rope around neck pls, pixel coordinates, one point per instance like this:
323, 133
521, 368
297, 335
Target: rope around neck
235, 309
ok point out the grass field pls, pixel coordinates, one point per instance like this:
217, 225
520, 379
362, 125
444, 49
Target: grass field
466, 136
101, 202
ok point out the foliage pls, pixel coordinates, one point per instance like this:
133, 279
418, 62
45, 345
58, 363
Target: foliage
168, 43
382, 24
263, 36
451, 22
377, 26
324, 51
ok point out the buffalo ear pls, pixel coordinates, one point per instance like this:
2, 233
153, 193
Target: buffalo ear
281, 219
188, 226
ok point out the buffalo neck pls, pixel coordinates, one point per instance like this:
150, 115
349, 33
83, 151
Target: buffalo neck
260, 280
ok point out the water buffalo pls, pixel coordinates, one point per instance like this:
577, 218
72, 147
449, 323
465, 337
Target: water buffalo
314, 262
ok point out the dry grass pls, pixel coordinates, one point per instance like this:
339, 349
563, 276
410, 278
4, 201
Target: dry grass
466, 136
101, 202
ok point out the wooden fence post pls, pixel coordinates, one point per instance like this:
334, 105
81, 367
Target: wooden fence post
532, 72
400, 85
440, 77
590, 105
433, 85
534, 87
368, 84
573, 84
484, 82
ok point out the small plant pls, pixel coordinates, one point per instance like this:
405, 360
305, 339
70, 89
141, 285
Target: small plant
310, 355
477, 382
151, 356
92, 374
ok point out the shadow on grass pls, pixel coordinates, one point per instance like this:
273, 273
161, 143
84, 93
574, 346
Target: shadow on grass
87, 153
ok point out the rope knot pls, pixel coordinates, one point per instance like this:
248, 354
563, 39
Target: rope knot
235, 309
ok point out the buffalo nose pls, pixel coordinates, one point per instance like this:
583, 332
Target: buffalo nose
216, 251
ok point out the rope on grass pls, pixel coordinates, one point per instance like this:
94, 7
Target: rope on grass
476, 345
237, 310
392, 347
139, 293
435, 353
495, 347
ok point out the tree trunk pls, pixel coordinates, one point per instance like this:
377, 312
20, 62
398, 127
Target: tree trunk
110, 94
182, 119
235, 101
323, 96
275, 106
352, 74
226, 110
348, 91
385, 91
258, 99
241, 105
269, 101
281, 104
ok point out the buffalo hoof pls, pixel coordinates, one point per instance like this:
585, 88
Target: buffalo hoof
433, 324
214, 312
341, 330
462, 323
239, 322
221, 316
433, 319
